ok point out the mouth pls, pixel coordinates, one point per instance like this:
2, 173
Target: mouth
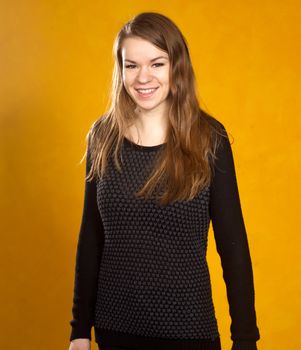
146, 92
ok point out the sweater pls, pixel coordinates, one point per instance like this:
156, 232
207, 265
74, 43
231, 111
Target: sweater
141, 275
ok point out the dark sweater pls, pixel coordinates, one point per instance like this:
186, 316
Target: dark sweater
141, 276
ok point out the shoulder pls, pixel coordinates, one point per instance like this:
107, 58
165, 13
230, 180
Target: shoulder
220, 154
218, 132
93, 138
98, 126
96, 132
212, 121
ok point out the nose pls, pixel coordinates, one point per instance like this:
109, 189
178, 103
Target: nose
144, 75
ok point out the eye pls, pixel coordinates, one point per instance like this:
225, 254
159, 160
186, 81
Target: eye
130, 66
158, 64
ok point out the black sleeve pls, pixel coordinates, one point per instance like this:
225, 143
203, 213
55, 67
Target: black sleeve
232, 246
88, 256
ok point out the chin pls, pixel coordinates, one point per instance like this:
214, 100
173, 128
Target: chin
147, 108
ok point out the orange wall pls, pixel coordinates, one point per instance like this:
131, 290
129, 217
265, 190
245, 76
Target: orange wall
55, 69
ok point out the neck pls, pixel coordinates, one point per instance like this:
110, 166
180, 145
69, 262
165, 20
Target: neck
149, 126
151, 119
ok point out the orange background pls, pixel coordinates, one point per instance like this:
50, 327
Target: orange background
55, 70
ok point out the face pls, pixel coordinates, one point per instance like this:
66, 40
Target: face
145, 74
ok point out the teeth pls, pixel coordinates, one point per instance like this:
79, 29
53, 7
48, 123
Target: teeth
146, 91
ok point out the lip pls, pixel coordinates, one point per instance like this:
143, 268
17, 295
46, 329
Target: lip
147, 88
146, 96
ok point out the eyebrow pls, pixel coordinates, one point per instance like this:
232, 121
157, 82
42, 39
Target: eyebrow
154, 59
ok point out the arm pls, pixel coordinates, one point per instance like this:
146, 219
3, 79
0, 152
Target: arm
232, 246
87, 262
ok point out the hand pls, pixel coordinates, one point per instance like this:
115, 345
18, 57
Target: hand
80, 344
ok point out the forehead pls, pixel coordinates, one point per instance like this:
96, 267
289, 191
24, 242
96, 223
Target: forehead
136, 48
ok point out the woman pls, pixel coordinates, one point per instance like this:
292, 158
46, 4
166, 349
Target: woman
158, 170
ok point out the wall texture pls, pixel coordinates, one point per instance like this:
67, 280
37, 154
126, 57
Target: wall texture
55, 70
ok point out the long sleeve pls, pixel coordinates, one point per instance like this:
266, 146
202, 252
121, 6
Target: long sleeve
233, 249
88, 256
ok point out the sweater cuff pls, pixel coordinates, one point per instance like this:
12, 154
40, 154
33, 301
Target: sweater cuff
244, 345
80, 332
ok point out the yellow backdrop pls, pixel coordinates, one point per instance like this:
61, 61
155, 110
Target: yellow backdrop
55, 69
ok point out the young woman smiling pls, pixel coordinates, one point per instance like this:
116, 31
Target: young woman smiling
146, 80
158, 170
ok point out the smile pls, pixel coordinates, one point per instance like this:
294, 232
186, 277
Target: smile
146, 92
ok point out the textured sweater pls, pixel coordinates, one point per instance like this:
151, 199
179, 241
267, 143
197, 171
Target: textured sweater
141, 275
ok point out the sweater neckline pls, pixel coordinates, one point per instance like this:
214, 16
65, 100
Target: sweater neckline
142, 147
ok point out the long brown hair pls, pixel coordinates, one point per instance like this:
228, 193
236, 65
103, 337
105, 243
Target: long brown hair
185, 165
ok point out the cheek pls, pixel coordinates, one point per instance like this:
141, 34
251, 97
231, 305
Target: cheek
164, 77
127, 83
128, 79
165, 80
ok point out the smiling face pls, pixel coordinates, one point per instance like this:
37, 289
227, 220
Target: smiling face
145, 74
